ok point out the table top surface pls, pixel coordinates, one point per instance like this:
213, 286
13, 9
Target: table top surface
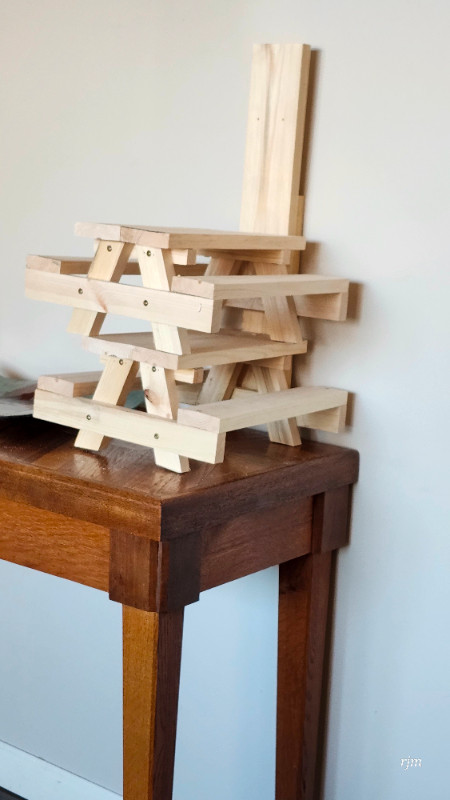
40, 466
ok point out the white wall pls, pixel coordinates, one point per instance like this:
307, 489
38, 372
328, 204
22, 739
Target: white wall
136, 112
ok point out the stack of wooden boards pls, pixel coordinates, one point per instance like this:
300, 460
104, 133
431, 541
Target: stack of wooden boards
224, 328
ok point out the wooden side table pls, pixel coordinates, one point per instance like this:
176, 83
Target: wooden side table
154, 540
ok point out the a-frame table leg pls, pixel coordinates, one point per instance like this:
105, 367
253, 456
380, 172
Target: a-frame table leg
151, 674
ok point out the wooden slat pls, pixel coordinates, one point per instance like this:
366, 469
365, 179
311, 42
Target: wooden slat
226, 287
230, 415
220, 383
130, 301
109, 263
220, 348
130, 426
284, 431
275, 130
69, 265
161, 400
157, 273
185, 238
81, 384
271, 256
331, 420
318, 306
113, 388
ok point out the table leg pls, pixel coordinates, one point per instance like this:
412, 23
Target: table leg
302, 624
151, 674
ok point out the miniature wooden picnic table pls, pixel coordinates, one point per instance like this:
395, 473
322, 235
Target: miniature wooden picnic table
155, 540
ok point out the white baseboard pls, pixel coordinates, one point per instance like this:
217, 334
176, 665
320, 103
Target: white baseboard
35, 779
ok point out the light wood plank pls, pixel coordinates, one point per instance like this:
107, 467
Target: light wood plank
158, 273
109, 263
160, 391
275, 131
220, 266
331, 420
319, 306
113, 387
271, 256
230, 415
129, 301
188, 238
81, 384
283, 431
71, 265
161, 400
220, 383
206, 350
226, 287
132, 426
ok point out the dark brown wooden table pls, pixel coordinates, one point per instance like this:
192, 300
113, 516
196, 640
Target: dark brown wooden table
155, 540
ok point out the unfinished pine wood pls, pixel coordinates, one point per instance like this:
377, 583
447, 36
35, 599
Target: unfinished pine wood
188, 238
220, 383
226, 287
151, 675
161, 400
152, 305
275, 130
128, 425
271, 256
81, 384
316, 306
284, 431
331, 420
113, 387
221, 348
109, 263
272, 169
158, 273
219, 266
230, 415
281, 316
160, 391
70, 384
69, 265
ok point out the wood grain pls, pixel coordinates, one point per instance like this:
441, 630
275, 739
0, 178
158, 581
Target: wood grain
255, 541
181, 238
151, 674
154, 576
121, 489
53, 543
302, 618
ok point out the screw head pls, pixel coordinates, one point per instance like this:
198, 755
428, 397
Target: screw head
153, 369
88, 416
149, 252
120, 361
109, 248
156, 435
145, 302
80, 291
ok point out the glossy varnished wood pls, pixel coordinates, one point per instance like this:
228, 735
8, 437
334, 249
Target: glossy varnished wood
155, 539
53, 543
304, 604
